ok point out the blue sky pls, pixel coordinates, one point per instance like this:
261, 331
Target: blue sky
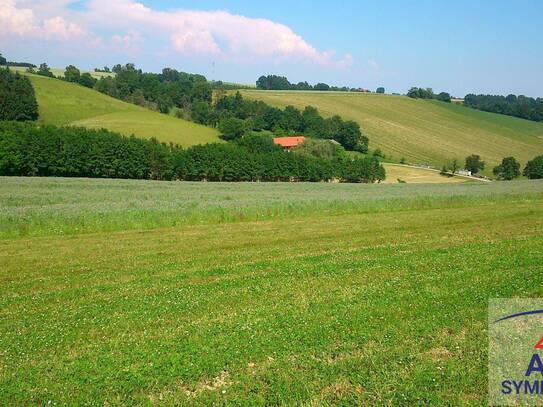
456, 46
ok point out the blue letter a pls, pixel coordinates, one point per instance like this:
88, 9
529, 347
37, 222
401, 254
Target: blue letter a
535, 365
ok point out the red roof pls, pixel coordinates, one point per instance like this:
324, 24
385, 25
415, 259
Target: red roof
287, 142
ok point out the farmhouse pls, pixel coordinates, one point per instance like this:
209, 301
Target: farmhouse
289, 142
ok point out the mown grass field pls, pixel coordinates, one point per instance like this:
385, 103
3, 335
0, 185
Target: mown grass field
311, 294
64, 103
412, 175
422, 131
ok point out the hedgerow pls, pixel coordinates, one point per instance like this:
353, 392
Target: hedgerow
30, 150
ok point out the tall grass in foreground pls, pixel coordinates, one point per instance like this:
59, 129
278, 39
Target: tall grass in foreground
58, 206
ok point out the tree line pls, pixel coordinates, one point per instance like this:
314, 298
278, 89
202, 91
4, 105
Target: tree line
507, 170
71, 74
5, 62
30, 150
275, 82
428, 93
511, 105
164, 91
510, 169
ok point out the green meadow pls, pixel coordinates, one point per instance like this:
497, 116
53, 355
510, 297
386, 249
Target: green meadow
64, 103
122, 292
422, 131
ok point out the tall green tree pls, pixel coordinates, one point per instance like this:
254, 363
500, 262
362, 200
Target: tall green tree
72, 74
232, 128
509, 169
87, 80
321, 87
534, 168
453, 167
474, 163
201, 112
44, 70
17, 97
444, 97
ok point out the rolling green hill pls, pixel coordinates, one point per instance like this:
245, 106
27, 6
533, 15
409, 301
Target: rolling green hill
64, 103
422, 131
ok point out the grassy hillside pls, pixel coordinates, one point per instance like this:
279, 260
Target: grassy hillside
64, 103
364, 307
422, 131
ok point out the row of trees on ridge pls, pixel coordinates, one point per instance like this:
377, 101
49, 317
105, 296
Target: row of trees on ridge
511, 105
275, 82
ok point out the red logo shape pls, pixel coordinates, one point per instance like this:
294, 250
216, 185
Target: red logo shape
539, 345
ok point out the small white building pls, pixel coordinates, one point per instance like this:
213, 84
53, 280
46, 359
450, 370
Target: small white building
464, 172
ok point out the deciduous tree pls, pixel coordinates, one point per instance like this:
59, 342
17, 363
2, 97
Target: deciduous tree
534, 168
474, 163
509, 169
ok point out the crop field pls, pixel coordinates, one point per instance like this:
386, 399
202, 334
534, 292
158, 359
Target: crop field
422, 131
201, 293
64, 103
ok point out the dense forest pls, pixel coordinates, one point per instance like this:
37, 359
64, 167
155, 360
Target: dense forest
511, 105
256, 116
30, 150
17, 97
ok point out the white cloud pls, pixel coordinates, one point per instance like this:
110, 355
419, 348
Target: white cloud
187, 32
130, 43
21, 21
58, 28
17, 21
189, 41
